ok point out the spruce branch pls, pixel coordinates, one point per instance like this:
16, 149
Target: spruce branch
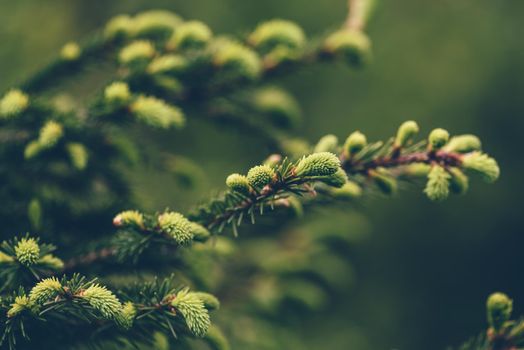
80, 302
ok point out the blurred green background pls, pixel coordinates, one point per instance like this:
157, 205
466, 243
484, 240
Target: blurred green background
425, 269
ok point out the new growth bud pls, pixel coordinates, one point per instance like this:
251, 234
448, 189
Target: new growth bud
157, 113
260, 176
102, 300
328, 143
351, 45
155, 24
117, 92
50, 134
45, 290
27, 251
168, 64
463, 144
118, 27
191, 34
70, 52
386, 183
350, 190
318, 164
140, 50
13, 103
237, 58
194, 312
126, 316
438, 138
499, 307
176, 226
417, 170
354, 143
78, 155
338, 179
482, 164
277, 33
21, 303
129, 218
200, 233
437, 187
405, 133
238, 183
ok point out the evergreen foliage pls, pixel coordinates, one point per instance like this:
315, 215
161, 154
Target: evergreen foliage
70, 161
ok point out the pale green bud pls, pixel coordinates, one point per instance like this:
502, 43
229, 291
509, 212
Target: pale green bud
119, 26
45, 290
295, 147
350, 190
318, 164
102, 300
194, 312
117, 92
78, 155
459, 181
260, 176
386, 183
355, 142
338, 179
499, 307
32, 149
210, 301
417, 170
34, 213
13, 103
172, 64
129, 218
354, 46
51, 262
463, 144
155, 23
21, 303
406, 132
328, 143
216, 339
438, 138
280, 106
70, 51
176, 226
200, 233
50, 134
190, 34
482, 164
277, 33
237, 58
437, 187
27, 251
136, 51
157, 113
238, 183
126, 316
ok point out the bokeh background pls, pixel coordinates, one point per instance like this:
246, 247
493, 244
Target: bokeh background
423, 271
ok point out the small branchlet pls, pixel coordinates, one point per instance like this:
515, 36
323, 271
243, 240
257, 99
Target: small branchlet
25, 259
444, 160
